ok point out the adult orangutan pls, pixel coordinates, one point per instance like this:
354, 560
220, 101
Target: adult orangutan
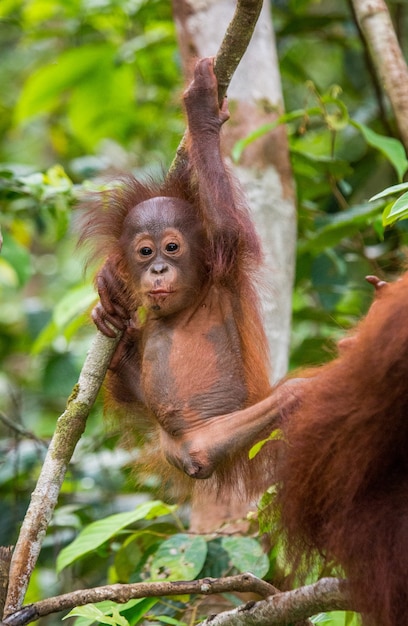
180, 259
343, 476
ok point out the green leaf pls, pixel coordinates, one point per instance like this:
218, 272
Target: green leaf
311, 164
94, 119
45, 338
337, 618
94, 613
180, 557
396, 211
240, 145
69, 314
166, 619
390, 147
338, 226
274, 436
98, 533
135, 610
246, 555
389, 191
8, 275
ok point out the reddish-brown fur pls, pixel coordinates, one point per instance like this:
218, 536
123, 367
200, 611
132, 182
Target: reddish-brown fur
191, 369
197, 370
344, 477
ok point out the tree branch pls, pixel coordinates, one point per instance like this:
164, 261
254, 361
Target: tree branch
278, 608
327, 594
374, 78
235, 42
232, 48
69, 428
5, 559
375, 22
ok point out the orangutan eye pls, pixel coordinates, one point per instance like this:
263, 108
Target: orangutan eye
145, 251
172, 247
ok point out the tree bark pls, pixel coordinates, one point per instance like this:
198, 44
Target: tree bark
69, 428
375, 23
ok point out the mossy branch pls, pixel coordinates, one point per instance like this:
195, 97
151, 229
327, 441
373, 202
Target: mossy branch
68, 430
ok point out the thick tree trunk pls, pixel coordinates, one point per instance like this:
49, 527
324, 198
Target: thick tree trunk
255, 98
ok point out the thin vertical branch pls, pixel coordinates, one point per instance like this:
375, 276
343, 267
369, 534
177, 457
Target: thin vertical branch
375, 22
232, 48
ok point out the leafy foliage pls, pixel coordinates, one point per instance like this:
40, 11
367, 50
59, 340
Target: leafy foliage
150, 544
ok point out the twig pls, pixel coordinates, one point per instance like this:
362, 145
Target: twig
20, 430
374, 78
122, 593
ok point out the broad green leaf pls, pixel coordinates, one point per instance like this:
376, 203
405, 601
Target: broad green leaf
132, 611
310, 164
94, 119
135, 610
69, 315
246, 555
181, 557
390, 147
166, 619
98, 533
396, 211
337, 618
45, 338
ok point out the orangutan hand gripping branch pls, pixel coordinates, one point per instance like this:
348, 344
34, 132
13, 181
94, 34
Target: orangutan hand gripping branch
179, 280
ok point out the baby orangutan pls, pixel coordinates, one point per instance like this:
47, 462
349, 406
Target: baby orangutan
179, 280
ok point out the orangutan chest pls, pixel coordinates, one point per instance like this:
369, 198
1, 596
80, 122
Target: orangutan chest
188, 372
